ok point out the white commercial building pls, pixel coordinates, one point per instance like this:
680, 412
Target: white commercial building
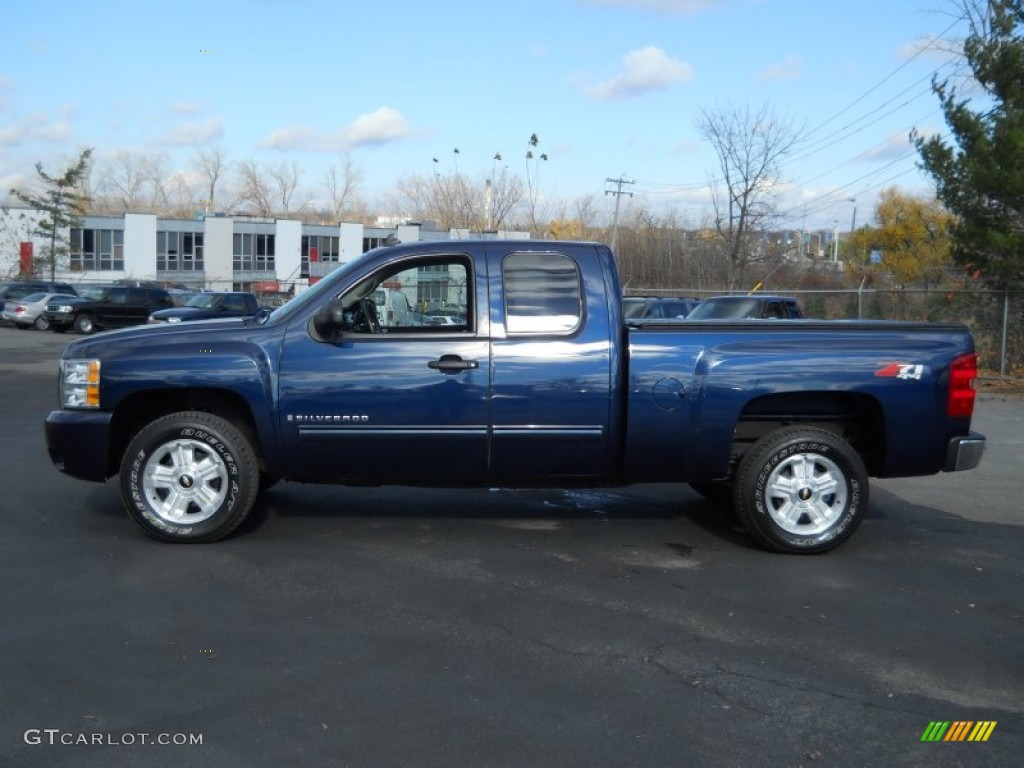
211, 251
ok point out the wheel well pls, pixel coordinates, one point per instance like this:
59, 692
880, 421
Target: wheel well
144, 407
856, 418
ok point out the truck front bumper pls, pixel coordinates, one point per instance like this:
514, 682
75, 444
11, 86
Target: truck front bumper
79, 443
964, 452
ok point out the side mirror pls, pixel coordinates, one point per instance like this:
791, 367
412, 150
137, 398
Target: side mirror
329, 320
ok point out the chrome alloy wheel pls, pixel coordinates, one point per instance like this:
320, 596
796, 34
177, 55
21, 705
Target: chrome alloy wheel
806, 493
185, 482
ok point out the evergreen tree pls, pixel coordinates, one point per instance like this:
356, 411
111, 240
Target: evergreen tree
980, 176
62, 201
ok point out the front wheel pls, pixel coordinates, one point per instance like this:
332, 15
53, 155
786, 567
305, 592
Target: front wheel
85, 324
801, 490
189, 477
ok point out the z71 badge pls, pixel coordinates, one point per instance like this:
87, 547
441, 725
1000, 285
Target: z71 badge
900, 371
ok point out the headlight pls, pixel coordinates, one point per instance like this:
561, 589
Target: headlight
80, 383
64, 308
173, 319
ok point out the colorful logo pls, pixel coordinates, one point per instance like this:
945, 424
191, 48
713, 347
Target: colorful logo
958, 730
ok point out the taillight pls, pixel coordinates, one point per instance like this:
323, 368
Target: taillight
962, 374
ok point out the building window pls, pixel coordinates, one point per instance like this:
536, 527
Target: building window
96, 250
369, 243
319, 248
179, 251
253, 252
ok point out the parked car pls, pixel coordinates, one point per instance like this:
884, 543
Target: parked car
747, 308
657, 307
209, 305
102, 307
18, 289
30, 311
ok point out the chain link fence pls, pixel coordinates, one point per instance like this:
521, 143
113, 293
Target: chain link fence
995, 318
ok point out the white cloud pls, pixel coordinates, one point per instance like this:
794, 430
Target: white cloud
893, 148
292, 137
184, 108
644, 70
194, 133
661, 6
789, 68
382, 126
38, 127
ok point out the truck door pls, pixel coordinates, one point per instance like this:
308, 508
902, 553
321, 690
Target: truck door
401, 400
552, 359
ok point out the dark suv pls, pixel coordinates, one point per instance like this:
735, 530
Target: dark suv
208, 305
657, 307
748, 308
98, 307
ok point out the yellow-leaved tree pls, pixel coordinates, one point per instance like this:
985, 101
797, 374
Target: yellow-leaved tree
912, 242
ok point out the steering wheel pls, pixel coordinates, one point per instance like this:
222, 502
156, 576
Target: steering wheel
369, 310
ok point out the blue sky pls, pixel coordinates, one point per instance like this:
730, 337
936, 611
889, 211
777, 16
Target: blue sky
612, 88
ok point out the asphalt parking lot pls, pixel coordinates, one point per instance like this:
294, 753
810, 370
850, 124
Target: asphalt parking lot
398, 627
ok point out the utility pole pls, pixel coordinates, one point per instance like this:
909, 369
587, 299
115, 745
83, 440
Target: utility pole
618, 196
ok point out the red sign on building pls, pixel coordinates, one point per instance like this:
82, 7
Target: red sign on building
25, 262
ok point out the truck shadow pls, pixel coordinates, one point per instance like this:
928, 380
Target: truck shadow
524, 507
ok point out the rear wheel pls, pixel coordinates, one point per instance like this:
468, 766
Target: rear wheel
801, 490
41, 323
189, 477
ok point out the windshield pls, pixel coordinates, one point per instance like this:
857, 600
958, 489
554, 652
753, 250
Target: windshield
316, 294
203, 300
732, 309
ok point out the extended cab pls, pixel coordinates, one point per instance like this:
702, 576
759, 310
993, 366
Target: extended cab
541, 382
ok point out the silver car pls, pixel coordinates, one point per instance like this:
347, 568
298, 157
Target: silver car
30, 311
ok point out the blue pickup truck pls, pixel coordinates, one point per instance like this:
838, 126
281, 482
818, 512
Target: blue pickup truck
539, 381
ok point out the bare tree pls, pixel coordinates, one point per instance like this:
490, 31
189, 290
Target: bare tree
253, 190
342, 184
156, 175
749, 146
212, 165
285, 178
123, 178
534, 157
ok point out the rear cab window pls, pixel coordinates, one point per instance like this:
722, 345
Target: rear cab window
543, 294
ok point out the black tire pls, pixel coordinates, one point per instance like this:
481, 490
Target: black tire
85, 324
801, 490
41, 323
189, 477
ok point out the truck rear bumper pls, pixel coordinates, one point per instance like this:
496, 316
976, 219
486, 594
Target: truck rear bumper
964, 452
79, 443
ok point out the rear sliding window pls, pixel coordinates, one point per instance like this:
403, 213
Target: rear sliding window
543, 293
